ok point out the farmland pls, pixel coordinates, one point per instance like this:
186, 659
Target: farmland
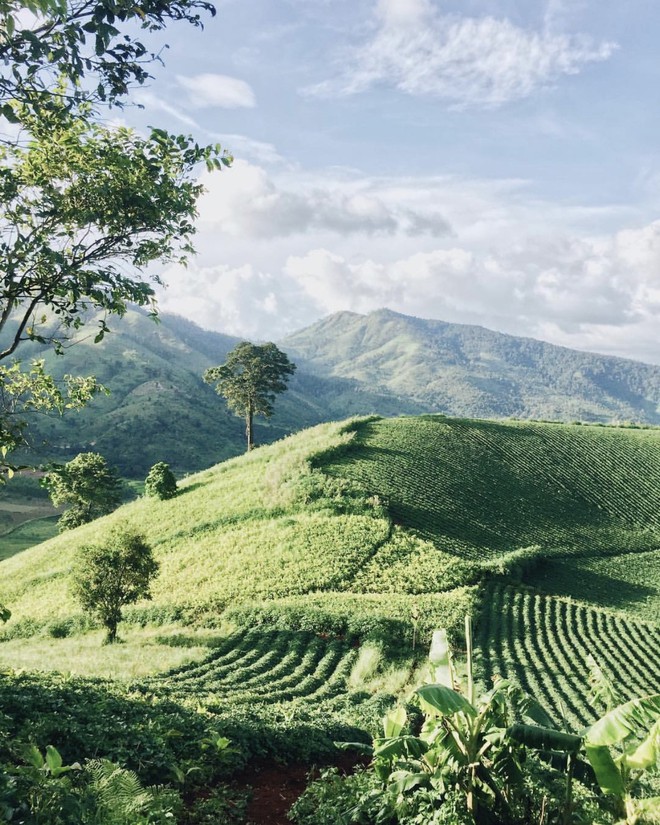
299, 585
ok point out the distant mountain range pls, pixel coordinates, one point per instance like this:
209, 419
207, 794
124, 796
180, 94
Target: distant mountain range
160, 410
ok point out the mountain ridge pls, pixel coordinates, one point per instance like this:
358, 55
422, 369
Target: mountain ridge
349, 364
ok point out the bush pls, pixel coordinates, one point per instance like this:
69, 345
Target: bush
161, 482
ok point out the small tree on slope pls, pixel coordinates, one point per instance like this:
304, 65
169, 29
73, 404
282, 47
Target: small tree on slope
115, 573
88, 485
249, 380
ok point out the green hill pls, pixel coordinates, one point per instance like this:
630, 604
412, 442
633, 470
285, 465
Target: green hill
351, 528
160, 410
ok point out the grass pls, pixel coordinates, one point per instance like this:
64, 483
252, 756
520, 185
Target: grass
142, 652
292, 578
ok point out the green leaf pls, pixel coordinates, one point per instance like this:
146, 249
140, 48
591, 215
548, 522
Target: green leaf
32, 756
608, 775
394, 721
443, 700
544, 739
624, 721
439, 658
399, 746
647, 754
53, 758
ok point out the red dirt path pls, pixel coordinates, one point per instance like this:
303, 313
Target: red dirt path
276, 787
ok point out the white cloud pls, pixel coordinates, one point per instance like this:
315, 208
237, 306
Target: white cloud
464, 60
248, 202
282, 248
217, 90
154, 103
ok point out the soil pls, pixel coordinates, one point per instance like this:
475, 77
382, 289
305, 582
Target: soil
276, 787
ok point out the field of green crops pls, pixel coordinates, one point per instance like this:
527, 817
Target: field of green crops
322, 563
547, 645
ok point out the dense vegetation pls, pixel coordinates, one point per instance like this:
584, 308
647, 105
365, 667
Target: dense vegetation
299, 586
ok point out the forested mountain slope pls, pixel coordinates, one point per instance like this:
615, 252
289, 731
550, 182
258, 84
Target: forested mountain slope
472, 371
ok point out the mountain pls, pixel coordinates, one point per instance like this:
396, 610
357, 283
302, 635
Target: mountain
159, 409
472, 371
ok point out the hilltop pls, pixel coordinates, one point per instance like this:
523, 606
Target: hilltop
471, 371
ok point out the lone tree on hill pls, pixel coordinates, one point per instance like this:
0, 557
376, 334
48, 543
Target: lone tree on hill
249, 380
88, 485
110, 575
161, 482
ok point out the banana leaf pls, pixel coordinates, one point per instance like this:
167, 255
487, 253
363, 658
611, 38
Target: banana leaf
544, 739
394, 721
399, 746
607, 773
646, 754
443, 700
439, 658
624, 721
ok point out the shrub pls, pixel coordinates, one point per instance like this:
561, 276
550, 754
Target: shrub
161, 482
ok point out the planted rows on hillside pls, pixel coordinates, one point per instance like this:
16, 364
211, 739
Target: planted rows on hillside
482, 488
546, 644
264, 667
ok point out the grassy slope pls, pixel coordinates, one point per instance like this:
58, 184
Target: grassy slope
261, 526
304, 526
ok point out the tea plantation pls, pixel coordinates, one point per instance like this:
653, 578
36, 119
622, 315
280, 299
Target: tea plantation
300, 585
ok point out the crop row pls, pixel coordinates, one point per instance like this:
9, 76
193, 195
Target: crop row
547, 645
263, 667
478, 488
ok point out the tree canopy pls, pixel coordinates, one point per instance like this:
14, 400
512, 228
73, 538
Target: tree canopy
85, 209
114, 573
249, 380
88, 485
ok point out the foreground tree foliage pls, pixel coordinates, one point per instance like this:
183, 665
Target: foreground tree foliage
84, 209
87, 484
114, 573
249, 380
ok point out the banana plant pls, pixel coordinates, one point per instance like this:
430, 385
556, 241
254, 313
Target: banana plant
621, 747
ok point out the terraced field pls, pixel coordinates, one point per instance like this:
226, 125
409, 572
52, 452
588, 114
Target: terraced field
546, 643
263, 667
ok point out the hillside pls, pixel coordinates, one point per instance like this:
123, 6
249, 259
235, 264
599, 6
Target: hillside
474, 372
160, 410
426, 510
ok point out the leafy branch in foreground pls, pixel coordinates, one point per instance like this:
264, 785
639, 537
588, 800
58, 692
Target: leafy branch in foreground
25, 391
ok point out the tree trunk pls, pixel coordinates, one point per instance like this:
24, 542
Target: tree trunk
248, 428
111, 636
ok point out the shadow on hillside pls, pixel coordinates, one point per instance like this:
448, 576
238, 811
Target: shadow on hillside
182, 491
561, 578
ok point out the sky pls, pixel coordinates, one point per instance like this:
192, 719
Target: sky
491, 162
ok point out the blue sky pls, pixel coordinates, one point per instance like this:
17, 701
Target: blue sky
479, 162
